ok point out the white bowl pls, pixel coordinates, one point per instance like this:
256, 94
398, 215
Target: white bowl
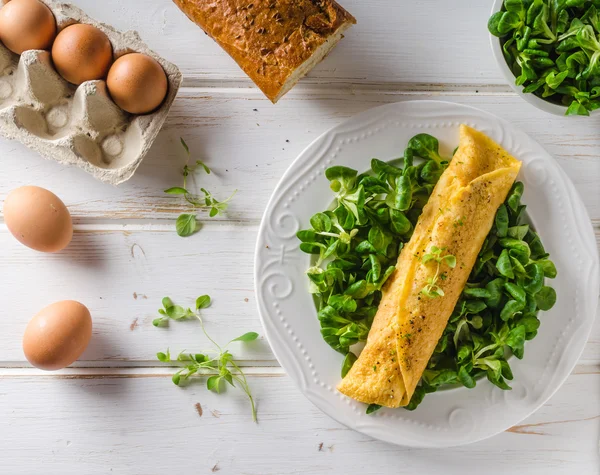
510, 77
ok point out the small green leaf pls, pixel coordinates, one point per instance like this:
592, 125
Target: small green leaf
349, 360
371, 408
478, 293
176, 190
204, 166
164, 357
203, 302
185, 146
502, 221
511, 308
250, 336
465, 378
307, 235
504, 265
176, 312
545, 298
186, 225
514, 196
516, 340
213, 383
321, 222
167, 303
450, 261
516, 291
226, 376
176, 378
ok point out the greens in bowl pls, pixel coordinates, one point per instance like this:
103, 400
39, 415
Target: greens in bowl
553, 49
356, 244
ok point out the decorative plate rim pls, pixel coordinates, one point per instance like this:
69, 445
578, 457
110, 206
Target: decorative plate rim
295, 354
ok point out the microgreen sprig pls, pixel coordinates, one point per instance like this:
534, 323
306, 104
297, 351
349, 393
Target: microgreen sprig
432, 289
187, 223
203, 364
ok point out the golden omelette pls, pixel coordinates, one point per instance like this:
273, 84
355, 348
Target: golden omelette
409, 323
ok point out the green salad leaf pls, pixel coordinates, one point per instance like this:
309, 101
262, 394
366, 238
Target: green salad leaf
355, 246
553, 49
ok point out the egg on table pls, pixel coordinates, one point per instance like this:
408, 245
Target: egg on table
57, 335
25, 25
38, 219
82, 53
137, 83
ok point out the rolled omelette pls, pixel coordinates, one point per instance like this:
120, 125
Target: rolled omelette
408, 324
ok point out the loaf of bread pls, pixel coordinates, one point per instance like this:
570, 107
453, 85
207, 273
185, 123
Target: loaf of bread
276, 42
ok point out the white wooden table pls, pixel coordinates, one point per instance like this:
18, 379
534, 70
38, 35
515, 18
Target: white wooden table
117, 411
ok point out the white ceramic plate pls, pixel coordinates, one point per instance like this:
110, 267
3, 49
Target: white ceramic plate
447, 417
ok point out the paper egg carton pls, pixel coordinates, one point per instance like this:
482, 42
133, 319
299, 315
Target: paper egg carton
78, 125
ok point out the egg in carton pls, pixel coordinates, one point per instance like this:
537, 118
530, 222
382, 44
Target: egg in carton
78, 125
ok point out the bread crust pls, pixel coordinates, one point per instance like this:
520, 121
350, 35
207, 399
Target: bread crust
270, 39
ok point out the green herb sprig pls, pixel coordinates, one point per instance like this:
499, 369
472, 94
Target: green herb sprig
218, 365
432, 289
356, 245
187, 223
553, 49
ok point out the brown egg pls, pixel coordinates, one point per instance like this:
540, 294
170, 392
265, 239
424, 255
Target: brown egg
82, 53
38, 219
25, 25
137, 83
57, 335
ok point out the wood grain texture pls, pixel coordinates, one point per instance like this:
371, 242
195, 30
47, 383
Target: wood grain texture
390, 44
249, 143
122, 272
147, 426
117, 411
123, 275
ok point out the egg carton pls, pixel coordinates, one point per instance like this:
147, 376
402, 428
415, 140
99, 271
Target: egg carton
78, 125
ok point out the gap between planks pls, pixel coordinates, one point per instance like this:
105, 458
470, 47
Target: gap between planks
250, 368
138, 372
344, 87
84, 224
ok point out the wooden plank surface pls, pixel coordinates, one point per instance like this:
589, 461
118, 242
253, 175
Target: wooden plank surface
116, 411
144, 425
122, 275
250, 143
396, 42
